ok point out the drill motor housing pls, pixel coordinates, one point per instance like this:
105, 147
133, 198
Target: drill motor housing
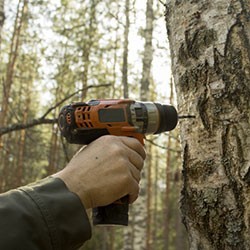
82, 123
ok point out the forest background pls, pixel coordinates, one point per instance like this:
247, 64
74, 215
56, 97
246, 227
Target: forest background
57, 52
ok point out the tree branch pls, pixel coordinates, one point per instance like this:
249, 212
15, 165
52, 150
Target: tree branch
163, 147
20, 126
43, 119
162, 3
71, 95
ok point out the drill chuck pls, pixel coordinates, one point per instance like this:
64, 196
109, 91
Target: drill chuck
168, 118
153, 118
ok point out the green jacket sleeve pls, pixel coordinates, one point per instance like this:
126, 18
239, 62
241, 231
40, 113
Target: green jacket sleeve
45, 216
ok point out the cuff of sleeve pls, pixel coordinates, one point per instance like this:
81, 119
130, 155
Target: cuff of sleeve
62, 211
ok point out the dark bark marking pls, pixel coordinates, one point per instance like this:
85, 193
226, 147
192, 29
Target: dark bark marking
221, 223
234, 66
192, 78
184, 191
246, 178
203, 106
235, 225
190, 81
200, 171
195, 43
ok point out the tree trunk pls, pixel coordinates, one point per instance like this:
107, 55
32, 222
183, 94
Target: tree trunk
128, 231
167, 194
148, 52
143, 206
125, 51
87, 47
115, 56
22, 139
53, 152
148, 213
210, 53
156, 204
2, 18
22, 9
15, 42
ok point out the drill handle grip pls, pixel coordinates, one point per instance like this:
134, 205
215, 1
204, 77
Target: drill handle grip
113, 214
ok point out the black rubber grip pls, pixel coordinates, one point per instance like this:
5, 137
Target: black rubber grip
113, 214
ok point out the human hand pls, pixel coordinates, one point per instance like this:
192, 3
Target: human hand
105, 171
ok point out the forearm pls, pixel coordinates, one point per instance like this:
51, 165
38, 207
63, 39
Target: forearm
43, 215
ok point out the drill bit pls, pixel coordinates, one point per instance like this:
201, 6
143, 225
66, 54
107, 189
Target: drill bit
186, 116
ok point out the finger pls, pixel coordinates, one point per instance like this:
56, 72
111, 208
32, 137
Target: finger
135, 159
135, 173
134, 193
135, 145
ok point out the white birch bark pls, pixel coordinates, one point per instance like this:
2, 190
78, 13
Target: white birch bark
210, 52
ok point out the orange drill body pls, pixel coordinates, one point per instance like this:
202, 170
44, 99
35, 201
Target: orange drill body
87, 117
82, 122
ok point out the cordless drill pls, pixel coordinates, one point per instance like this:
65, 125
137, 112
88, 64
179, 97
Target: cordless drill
84, 122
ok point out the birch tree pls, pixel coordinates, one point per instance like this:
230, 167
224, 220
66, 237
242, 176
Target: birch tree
125, 50
210, 53
129, 231
142, 227
148, 52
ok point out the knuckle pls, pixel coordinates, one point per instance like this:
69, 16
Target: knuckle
118, 150
123, 163
126, 178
